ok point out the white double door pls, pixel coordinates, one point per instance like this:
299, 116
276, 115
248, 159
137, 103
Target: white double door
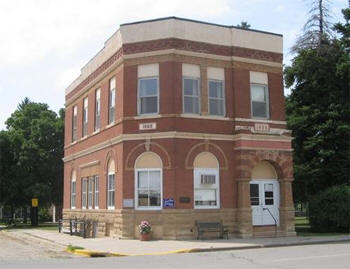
265, 199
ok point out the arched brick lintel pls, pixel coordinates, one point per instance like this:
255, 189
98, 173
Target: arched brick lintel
206, 147
280, 160
137, 150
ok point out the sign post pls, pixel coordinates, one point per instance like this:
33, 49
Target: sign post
34, 217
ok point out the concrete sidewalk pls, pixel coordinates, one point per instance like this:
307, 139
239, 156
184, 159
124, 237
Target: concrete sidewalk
159, 247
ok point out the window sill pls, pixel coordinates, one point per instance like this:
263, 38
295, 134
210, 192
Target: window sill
148, 116
148, 208
83, 138
111, 208
207, 207
96, 131
204, 117
110, 125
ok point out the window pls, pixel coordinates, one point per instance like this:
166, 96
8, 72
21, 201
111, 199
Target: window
97, 109
74, 123
148, 181
216, 97
97, 193
149, 188
206, 181
206, 188
254, 194
90, 192
148, 95
73, 190
111, 191
85, 117
84, 193
260, 101
111, 102
191, 95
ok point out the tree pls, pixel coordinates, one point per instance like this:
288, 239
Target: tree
36, 136
318, 110
317, 30
244, 25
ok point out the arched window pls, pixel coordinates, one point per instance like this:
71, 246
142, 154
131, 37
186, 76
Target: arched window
111, 185
206, 181
73, 190
148, 181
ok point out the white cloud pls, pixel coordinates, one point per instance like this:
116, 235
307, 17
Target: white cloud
32, 29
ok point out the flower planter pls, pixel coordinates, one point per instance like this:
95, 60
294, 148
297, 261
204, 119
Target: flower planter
145, 237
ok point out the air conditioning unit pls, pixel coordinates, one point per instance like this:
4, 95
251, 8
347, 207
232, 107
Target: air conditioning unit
207, 179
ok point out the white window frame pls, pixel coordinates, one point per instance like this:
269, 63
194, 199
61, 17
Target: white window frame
111, 100
96, 192
97, 110
84, 190
139, 97
110, 207
75, 123
90, 192
136, 189
266, 90
196, 176
199, 95
85, 117
215, 98
73, 194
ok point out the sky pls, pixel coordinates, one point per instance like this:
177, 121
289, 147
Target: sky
45, 43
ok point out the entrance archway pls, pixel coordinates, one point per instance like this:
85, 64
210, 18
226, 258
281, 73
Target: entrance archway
264, 195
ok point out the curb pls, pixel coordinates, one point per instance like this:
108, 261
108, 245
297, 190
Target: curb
93, 254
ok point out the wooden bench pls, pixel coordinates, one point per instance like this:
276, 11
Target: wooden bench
211, 227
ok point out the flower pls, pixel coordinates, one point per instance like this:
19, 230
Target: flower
145, 227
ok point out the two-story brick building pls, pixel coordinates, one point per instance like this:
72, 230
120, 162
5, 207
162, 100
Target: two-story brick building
175, 121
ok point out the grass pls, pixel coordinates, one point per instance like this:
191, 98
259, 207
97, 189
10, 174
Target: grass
72, 248
303, 228
41, 226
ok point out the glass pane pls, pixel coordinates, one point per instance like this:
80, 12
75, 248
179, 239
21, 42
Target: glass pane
148, 87
149, 105
268, 201
258, 93
154, 179
191, 104
216, 89
216, 107
143, 197
190, 87
254, 194
142, 179
154, 198
259, 110
205, 197
112, 98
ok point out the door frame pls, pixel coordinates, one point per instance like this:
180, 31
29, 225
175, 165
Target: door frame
262, 206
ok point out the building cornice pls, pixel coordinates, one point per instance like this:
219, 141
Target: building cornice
175, 135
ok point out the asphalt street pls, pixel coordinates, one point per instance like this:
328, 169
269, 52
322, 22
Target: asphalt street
321, 256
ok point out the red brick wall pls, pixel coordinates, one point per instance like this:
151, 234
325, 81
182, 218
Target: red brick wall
276, 96
241, 90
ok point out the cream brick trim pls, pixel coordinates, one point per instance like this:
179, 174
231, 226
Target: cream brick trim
179, 135
262, 148
260, 121
89, 164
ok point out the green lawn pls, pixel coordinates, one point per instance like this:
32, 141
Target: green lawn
41, 226
303, 228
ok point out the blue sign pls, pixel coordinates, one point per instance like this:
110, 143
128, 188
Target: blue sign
170, 202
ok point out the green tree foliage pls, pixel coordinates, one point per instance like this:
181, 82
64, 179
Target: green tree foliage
329, 210
318, 110
244, 25
35, 137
